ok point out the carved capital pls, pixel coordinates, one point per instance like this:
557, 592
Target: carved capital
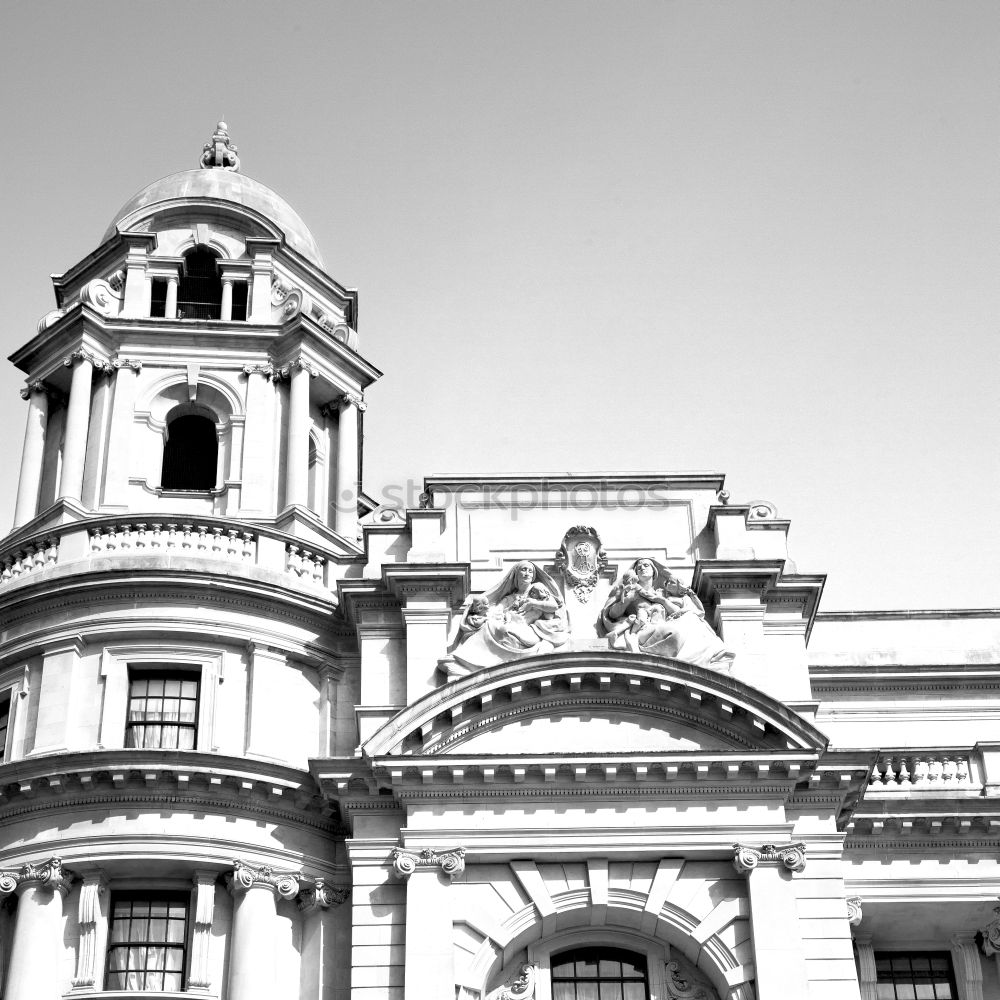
322, 896
82, 354
354, 399
46, 874
36, 386
132, 363
854, 913
302, 363
451, 862
990, 934
280, 881
792, 856
266, 370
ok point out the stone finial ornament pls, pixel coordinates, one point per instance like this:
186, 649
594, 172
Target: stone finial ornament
219, 151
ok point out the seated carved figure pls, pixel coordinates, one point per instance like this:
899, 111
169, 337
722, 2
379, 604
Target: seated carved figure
650, 611
523, 614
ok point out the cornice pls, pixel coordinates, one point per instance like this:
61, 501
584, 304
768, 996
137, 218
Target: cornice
452, 482
185, 779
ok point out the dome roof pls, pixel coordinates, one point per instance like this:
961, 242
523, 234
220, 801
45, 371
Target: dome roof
220, 185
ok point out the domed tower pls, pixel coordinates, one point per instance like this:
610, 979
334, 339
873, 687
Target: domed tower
169, 659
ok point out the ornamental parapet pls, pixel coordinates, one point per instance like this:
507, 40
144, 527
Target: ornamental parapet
790, 856
222, 540
450, 863
44, 875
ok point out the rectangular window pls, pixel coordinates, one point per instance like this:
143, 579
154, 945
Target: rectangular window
147, 944
4, 725
240, 289
908, 975
158, 298
162, 710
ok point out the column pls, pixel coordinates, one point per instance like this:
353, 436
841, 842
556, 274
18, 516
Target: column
777, 944
32, 454
38, 933
120, 461
430, 964
93, 918
297, 462
251, 952
201, 939
170, 309
226, 314
319, 952
77, 424
257, 470
348, 486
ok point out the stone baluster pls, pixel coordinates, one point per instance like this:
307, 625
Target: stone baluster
252, 973
32, 454
38, 931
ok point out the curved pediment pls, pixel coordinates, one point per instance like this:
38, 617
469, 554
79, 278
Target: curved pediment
593, 702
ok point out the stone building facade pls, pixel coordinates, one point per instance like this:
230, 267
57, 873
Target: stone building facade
263, 737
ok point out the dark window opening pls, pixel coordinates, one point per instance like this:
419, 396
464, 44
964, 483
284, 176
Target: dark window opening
4, 724
158, 302
162, 711
147, 943
599, 974
190, 454
908, 974
199, 293
240, 289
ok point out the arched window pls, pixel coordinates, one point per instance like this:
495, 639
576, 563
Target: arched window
199, 293
191, 453
599, 974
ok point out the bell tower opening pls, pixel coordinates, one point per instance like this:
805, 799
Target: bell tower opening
199, 294
191, 452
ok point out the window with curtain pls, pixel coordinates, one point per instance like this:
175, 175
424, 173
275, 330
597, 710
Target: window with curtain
599, 974
147, 942
162, 710
907, 975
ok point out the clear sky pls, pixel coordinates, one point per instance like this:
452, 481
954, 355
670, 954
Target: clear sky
753, 238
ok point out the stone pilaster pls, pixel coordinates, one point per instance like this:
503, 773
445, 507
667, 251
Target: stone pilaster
430, 964
199, 979
323, 920
348, 486
33, 452
777, 943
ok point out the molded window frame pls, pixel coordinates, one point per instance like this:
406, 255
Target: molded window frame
655, 953
116, 663
150, 894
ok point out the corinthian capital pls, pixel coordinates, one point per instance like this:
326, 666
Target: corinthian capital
46, 874
792, 856
321, 896
451, 862
245, 877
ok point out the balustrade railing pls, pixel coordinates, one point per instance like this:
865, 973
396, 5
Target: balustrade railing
204, 540
35, 555
263, 548
924, 771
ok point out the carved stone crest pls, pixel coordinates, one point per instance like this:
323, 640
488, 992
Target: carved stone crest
581, 560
